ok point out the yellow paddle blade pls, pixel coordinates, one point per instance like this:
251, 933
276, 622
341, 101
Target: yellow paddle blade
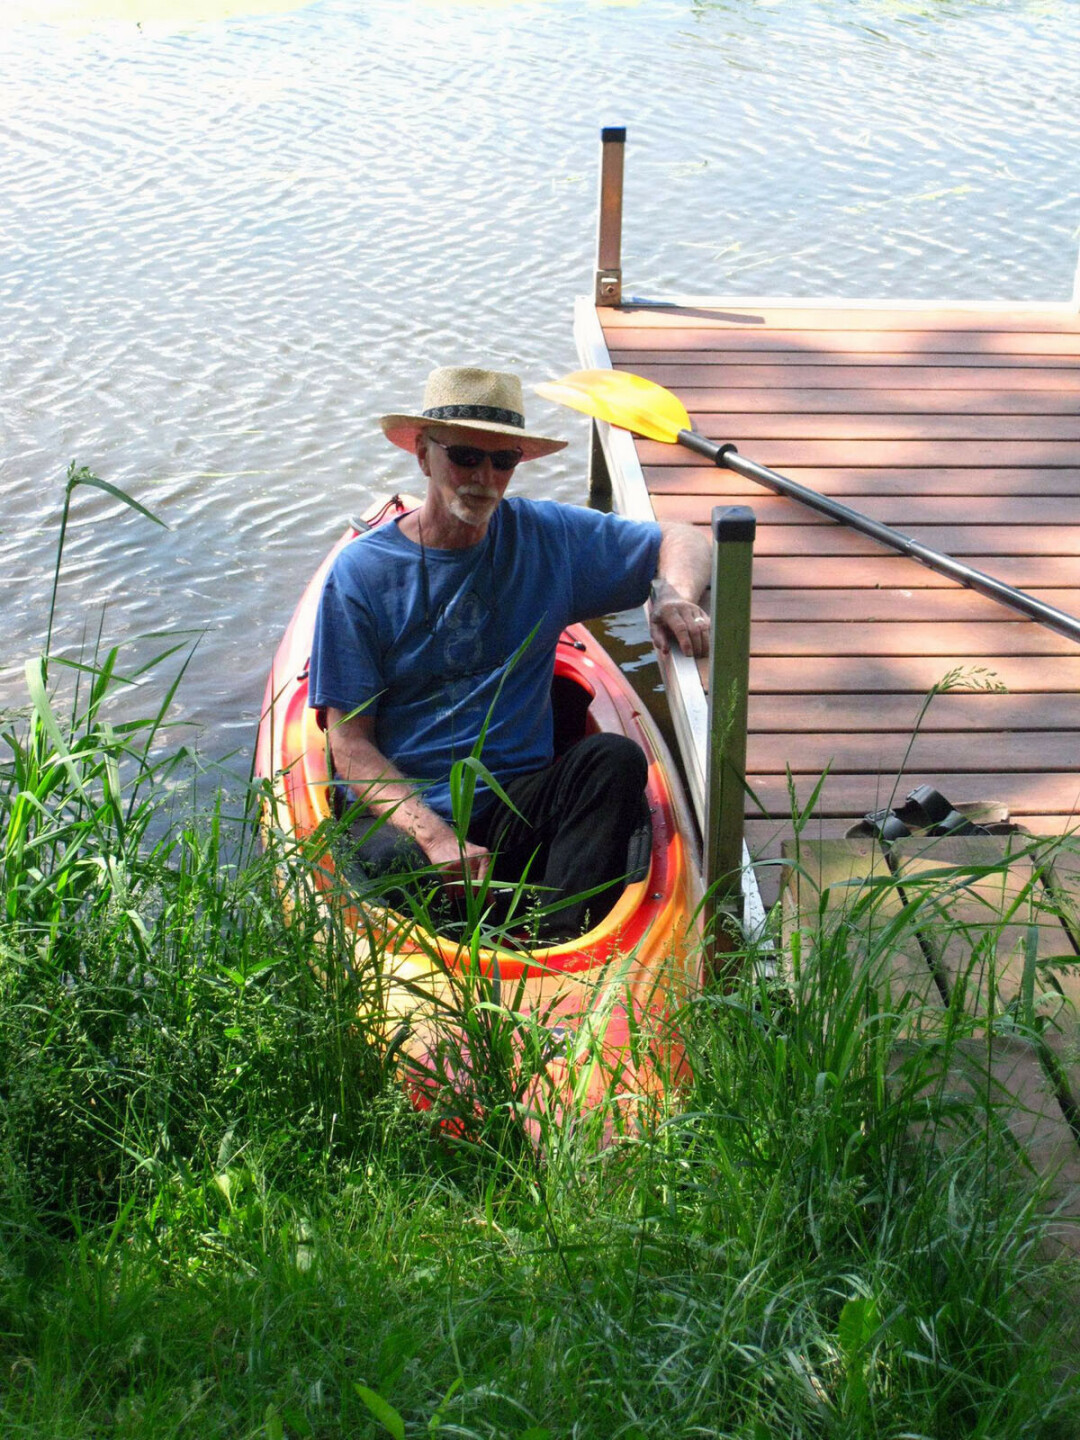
628, 401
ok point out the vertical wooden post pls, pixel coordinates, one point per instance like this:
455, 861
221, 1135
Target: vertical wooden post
599, 475
733, 529
609, 226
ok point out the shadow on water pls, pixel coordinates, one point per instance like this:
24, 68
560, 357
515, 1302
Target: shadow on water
625, 636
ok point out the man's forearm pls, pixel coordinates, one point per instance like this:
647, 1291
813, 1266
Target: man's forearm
683, 572
685, 561
382, 788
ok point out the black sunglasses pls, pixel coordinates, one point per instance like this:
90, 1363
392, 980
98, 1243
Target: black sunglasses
471, 457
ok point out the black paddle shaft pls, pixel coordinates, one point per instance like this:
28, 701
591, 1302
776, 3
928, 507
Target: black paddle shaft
728, 457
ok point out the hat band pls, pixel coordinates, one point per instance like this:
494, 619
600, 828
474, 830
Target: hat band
491, 413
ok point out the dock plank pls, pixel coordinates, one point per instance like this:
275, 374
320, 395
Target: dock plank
787, 400
885, 570
972, 321
823, 537
953, 711
680, 366
1052, 797
780, 453
1000, 346
881, 752
918, 674
858, 480
902, 512
975, 639
989, 423
826, 606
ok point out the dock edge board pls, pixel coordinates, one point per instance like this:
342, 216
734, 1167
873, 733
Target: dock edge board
1063, 309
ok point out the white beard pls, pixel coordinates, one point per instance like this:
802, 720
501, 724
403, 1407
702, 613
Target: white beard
473, 505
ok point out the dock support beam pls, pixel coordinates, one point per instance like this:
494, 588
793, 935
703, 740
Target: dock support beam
733, 529
609, 227
600, 490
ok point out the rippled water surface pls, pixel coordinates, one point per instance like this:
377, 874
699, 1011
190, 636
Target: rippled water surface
233, 235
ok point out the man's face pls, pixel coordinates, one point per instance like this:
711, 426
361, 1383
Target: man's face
459, 464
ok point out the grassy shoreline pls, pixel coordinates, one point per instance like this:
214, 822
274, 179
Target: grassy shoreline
220, 1217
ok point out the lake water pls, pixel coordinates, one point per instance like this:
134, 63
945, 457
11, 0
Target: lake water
231, 235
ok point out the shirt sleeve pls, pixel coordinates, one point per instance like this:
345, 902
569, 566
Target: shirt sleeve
345, 669
612, 561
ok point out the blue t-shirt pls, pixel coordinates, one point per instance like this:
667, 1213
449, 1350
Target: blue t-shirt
433, 643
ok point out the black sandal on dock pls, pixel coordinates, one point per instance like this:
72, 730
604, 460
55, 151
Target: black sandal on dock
927, 812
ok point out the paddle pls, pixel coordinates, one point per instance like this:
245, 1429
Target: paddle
631, 402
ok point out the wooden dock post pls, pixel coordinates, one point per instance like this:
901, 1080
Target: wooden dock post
609, 224
607, 284
600, 491
733, 529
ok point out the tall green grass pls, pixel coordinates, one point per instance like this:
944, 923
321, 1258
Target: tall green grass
220, 1217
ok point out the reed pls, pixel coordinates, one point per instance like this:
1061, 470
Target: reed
220, 1215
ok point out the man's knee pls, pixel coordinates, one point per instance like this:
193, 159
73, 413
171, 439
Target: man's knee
614, 760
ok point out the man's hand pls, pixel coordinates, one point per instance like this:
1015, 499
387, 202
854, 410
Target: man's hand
672, 616
455, 860
682, 574
385, 791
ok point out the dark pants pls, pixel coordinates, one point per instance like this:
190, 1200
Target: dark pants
578, 819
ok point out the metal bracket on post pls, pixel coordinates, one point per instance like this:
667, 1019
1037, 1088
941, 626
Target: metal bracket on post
609, 226
733, 529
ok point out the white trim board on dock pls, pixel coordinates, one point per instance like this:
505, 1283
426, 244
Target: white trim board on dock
686, 694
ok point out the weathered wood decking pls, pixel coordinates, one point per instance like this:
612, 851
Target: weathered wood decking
959, 426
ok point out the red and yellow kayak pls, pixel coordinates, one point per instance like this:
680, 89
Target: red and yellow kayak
624, 979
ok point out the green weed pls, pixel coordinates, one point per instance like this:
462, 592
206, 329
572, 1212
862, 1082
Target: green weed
221, 1216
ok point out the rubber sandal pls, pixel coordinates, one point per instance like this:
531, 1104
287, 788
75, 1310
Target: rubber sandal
925, 812
883, 825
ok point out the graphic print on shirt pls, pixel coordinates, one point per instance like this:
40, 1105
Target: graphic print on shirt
460, 641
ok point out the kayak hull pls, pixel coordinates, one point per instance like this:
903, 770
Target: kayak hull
597, 1013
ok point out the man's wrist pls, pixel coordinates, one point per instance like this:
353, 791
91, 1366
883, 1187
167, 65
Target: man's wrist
662, 592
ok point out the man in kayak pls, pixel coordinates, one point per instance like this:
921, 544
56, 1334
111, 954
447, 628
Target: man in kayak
435, 640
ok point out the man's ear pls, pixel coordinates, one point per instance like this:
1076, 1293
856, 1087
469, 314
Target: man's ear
422, 454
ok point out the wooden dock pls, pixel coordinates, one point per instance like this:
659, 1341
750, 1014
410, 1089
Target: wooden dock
956, 424
959, 426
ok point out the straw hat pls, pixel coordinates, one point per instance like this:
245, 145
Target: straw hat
479, 399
